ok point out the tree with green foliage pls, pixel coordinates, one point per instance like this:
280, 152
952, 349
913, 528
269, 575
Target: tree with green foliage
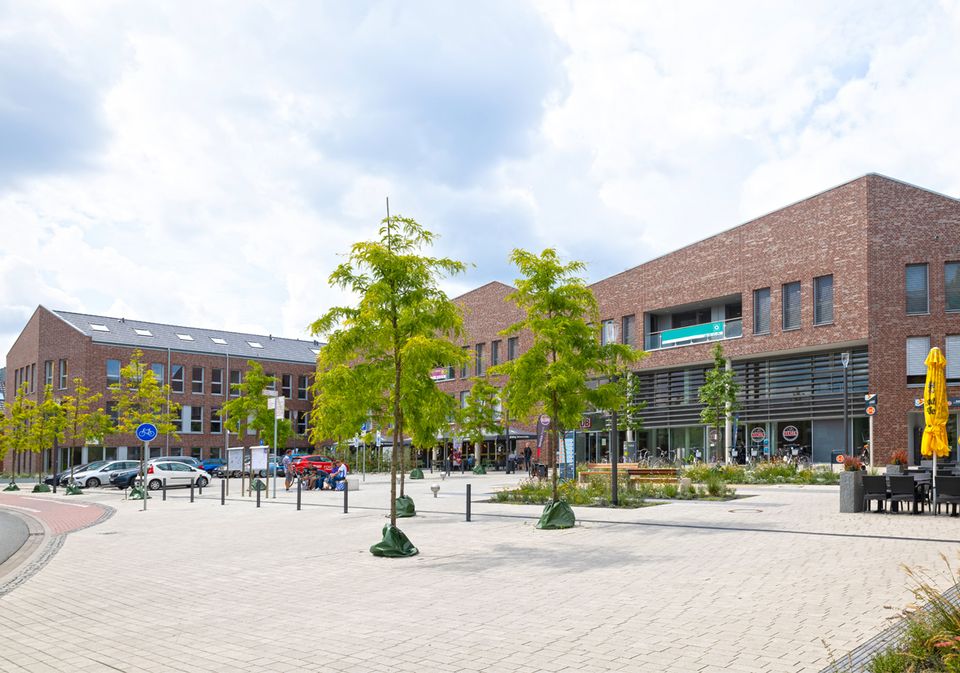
344, 400
398, 331
554, 375
718, 394
46, 431
631, 406
84, 419
479, 413
20, 418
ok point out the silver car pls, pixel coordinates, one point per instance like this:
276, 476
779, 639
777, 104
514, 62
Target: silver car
100, 474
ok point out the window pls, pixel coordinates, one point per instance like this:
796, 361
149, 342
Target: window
216, 425
63, 374
111, 410
917, 350
628, 330
823, 300
301, 387
255, 344
196, 382
96, 327
479, 368
608, 332
176, 451
218, 340
918, 299
495, 353
513, 348
463, 399
215, 453
196, 452
216, 381
176, 378
301, 422
196, 419
236, 378
316, 351
286, 385
272, 381
953, 360
464, 368
185, 337
158, 371
761, 311
133, 452
143, 332
48, 373
791, 306
113, 372
951, 285
33, 375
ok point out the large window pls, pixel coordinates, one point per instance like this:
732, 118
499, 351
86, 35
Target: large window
197, 380
63, 374
513, 348
113, 372
216, 381
176, 378
302, 387
481, 367
917, 349
761, 311
951, 285
791, 306
48, 373
918, 296
629, 332
286, 385
823, 300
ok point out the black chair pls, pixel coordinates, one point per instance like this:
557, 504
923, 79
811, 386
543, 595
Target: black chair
875, 488
948, 493
903, 489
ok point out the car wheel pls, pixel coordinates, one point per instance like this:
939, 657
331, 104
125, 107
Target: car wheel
154, 484
93, 482
201, 482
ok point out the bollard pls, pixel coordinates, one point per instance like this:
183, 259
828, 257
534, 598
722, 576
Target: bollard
298, 493
346, 490
191, 490
468, 502
200, 489
164, 489
258, 497
223, 492
55, 480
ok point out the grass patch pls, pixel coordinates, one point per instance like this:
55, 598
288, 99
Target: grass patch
762, 473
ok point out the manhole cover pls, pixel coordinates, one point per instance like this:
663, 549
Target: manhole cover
747, 510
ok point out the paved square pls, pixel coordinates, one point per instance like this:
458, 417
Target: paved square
757, 584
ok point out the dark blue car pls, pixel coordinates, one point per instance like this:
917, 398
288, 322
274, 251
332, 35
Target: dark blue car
211, 465
125, 478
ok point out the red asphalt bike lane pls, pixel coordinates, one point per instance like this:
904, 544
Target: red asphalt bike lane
58, 516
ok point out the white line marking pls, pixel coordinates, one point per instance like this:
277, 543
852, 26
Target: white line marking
25, 509
68, 504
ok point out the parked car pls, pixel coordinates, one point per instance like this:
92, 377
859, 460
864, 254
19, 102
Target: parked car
302, 463
186, 460
96, 476
177, 473
124, 479
212, 465
65, 475
61, 477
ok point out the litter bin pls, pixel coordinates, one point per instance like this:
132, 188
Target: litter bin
540, 470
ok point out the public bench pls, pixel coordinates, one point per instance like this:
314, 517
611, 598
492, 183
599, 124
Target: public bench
635, 473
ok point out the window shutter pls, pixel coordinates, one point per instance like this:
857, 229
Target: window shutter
761, 311
917, 350
916, 283
791, 306
953, 357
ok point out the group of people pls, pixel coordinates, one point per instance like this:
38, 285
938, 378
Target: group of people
314, 477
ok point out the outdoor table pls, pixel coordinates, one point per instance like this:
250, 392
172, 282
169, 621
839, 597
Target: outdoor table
921, 486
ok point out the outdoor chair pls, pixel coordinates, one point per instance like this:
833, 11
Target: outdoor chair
875, 488
903, 489
948, 493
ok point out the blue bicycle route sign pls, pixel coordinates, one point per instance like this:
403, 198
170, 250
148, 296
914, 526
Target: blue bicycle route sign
146, 432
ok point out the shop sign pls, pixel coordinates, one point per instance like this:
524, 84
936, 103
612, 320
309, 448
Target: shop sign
870, 404
691, 332
586, 423
440, 374
790, 433
758, 434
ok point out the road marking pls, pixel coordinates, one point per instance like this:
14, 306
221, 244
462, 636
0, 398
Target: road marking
25, 509
67, 504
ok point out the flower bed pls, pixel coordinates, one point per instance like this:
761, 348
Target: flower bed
596, 492
763, 473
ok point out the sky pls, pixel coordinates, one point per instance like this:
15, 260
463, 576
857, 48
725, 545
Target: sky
209, 163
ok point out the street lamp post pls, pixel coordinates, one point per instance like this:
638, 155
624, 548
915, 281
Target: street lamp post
847, 447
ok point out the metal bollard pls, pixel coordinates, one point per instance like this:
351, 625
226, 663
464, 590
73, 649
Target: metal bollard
258, 497
468, 502
223, 492
164, 489
200, 489
55, 480
299, 490
191, 490
346, 491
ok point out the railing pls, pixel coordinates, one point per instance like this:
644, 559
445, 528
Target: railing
694, 334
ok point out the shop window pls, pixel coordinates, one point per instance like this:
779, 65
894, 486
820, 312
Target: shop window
918, 299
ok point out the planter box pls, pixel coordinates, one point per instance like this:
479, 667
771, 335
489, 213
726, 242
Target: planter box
851, 492
896, 469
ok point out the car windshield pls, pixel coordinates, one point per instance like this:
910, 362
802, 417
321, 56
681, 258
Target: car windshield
97, 464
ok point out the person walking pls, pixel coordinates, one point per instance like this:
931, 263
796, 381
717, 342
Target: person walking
288, 470
527, 453
457, 459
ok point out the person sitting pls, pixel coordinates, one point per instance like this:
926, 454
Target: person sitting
339, 474
321, 476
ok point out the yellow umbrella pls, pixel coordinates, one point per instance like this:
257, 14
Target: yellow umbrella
935, 411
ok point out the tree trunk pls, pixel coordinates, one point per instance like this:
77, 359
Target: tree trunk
553, 449
403, 458
395, 455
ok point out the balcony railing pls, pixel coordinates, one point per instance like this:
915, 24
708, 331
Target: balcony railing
694, 334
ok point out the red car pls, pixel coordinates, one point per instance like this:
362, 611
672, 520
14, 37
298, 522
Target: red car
303, 463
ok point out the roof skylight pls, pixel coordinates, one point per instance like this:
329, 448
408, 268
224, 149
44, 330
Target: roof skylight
218, 340
185, 337
255, 344
316, 351
99, 328
143, 332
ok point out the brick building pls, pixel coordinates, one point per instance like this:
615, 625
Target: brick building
866, 273
199, 364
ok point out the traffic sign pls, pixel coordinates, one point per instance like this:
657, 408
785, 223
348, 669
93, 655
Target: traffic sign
758, 434
146, 432
870, 404
790, 433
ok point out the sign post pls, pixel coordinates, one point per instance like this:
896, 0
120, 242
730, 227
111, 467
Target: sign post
277, 403
870, 407
146, 432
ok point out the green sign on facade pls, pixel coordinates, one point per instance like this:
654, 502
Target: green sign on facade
705, 330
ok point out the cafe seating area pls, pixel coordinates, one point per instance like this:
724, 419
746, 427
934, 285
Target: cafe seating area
913, 490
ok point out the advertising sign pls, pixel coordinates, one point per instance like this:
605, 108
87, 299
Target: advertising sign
790, 433
870, 404
692, 332
440, 373
758, 434
543, 422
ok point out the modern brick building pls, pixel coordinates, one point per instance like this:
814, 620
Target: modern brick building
866, 273
199, 364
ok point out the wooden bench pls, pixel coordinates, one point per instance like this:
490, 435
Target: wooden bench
634, 472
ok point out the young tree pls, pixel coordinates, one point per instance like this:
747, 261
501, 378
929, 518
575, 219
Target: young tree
479, 416
343, 400
719, 395
249, 411
84, 419
17, 431
46, 432
553, 375
402, 320
140, 399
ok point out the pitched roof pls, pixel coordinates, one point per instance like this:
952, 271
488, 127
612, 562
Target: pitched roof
140, 334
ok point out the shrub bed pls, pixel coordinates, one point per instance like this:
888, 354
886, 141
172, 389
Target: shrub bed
596, 492
763, 473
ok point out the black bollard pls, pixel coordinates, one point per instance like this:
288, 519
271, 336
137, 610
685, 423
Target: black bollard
468, 502
200, 489
258, 497
346, 491
164, 489
191, 490
298, 493
223, 491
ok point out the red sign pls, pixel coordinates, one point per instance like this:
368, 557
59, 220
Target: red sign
841, 458
440, 374
790, 433
871, 411
758, 434
586, 423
